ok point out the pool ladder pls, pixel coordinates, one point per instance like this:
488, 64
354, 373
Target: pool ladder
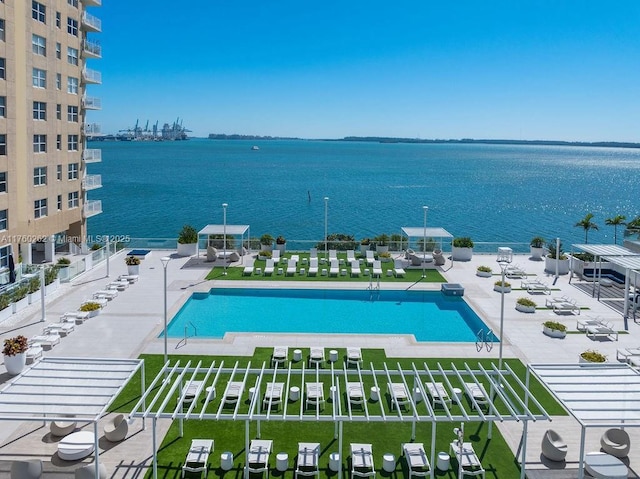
374, 289
484, 340
183, 342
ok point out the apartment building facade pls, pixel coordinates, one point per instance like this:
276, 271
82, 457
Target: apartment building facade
46, 48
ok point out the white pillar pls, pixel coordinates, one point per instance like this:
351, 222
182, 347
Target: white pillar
50, 249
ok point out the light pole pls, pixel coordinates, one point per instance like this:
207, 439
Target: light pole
424, 241
326, 224
224, 236
503, 267
165, 261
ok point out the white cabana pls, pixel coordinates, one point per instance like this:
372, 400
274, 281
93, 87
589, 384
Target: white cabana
224, 230
631, 265
201, 388
429, 232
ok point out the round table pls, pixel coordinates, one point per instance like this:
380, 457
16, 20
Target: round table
605, 466
334, 461
375, 393
282, 461
294, 393
417, 395
333, 355
77, 445
209, 389
443, 461
457, 395
226, 461
388, 462
297, 355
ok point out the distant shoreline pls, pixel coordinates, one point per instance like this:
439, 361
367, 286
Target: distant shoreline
383, 139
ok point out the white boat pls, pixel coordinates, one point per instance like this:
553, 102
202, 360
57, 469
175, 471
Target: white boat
254, 147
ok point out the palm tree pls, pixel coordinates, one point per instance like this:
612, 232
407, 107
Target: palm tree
633, 227
615, 222
587, 224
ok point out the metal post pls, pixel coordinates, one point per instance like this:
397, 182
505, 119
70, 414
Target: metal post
106, 250
503, 267
424, 242
224, 236
165, 261
326, 232
558, 259
42, 295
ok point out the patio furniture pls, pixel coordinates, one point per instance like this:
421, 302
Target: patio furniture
316, 356
273, 395
258, 456
315, 395
616, 442
626, 353
62, 428
417, 459
354, 356
31, 469
77, 445
232, 392
438, 393
553, 447
49, 340
280, 355
467, 459
602, 331
605, 466
198, 456
355, 393
535, 286
362, 460
307, 463
62, 327
478, 393
116, 428
398, 395
88, 471
34, 352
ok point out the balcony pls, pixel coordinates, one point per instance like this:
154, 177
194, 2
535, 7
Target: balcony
91, 182
92, 3
91, 23
92, 208
92, 155
91, 103
92, 76
91, 49
92, 129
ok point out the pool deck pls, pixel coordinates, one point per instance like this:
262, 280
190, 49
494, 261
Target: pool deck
131, 323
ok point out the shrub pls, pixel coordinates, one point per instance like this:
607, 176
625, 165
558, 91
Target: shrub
63, 262
365, 241
19, 293
188, 235
463, 242
16, 345
338, 241
551, 246
506, 284
50, 274
526, 302
34, 284
555, 325
382, 240
95, 247
5, 301
132, 260
266, 254
90, 306
593, 356
281, 240
266, 239
484, 269
537, 242
384, 255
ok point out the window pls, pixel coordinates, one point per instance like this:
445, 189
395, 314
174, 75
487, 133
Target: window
3, 144
39, 143
72, 143
39, 110
73, 3
39, 45
3, 219
58, 51
72, 85
5, 251
38, 11
59, 172
2, 36
72, 55
39, 78
72, 171
2, 68
58, 111
72, 26
72, 113
3, 182
3, 106
59, 202
58, 142
40, 176
40, 208
58, 81
58, 19
74, 200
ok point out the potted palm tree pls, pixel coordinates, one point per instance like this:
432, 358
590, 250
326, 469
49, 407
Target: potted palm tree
537, 248
364, 245
15, 354
266, 242
187, 241
382, 243
133, 265
556, 259
281, 242
462, 249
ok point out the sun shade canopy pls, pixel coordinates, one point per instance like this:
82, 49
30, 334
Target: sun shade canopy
413, 232
231, 230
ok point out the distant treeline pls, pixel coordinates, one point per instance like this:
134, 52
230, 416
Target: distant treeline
382, 139
223, 136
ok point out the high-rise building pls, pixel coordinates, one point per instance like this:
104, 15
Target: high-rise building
46, 47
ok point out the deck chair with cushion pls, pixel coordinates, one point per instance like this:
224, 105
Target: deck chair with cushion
515, 271
313, 267
212, 254
553, 447
269, 267
398, 270
233, 392
477, 392
417, 460
275, 256
34, 352
247, 271
362, 460
116, 428
377, 268
292, 267
398, 395
307, 463
354, 356
333, 255
351, 256
273, 395
258, 456
108, 294
355, 268
31, 469
61, 328
313, 254
315, 395
316, 356
438, 393
334, 268
197, 459
280, 355
370, 257
49, 340
193, 388
467, 459
355, 393
616, 442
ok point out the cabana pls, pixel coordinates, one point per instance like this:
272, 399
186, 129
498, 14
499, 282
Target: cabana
419, 233
222, 231
510, 399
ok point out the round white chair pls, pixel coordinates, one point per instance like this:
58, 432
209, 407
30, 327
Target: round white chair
553, 447
616, 442
116, 429
31, 469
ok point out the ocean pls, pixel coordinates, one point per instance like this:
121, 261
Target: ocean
491, 193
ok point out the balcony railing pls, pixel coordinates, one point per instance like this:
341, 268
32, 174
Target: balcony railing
92, 76
92, 155
91, 182
92, 3
92, 49
92, 103
92, 208
91, 23
92, 129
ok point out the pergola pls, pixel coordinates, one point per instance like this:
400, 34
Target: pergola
222, 230
193, 391
421, 232
56, 389
595, 394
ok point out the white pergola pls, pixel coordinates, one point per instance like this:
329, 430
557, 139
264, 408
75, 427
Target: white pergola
166, 397
229, 230
430, 232
595, 394
53, 389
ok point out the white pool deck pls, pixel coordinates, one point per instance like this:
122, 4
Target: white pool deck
131, 323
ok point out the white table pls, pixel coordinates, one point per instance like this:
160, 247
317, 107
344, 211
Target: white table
388, 462
282, 461
605, 466
333, 355
444, 461
297, 355
226, 461
375, 393
294, 393
77, 445
334, 461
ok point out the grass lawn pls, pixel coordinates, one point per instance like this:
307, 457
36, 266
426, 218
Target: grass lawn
387, 437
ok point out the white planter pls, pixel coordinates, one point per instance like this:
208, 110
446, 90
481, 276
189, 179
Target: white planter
553, 333
364, 248
266, 247
525, 309
484, 274
583, 360
187, 249
33, 297
550, 265
133, 269
15, 364
20, 305
382, 249
461, 254
50, 288
5, 314
536, 253
500, 289
281, 247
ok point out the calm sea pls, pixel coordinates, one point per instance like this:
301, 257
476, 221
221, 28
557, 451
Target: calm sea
492, 193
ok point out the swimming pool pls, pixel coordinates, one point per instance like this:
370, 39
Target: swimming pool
428, 315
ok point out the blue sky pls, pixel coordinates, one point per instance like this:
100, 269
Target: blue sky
565, 70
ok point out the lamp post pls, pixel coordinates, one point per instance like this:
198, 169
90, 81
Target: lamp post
503, 267
424, 241
224, 236
326, 224
165, 261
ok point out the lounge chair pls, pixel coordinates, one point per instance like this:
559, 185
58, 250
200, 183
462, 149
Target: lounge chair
269, 267
398, 271
27, 469
362, 460
49, 340
602, 330
212, 254
333, 255
315, 395
316, 356
616, 442
354, 356
34, 352
535, 286
377, 268
292, 267
106, 293
398, 395
307, 463
62, 428
258, 456
355, 268
233, 392
131, 278
370, 257
438, 258
351, 256
247, 271
477, 393
280, 355
275, 256
192, 390
75, 316
553, 447
313, 267
417, 460
626, 353
197, 459
116, 428
100, 300
273, 395
467, 459
567, 306
438, 393
62, 328
119, 285
334, 269
514, 271
313, 254
355, 393
582, 324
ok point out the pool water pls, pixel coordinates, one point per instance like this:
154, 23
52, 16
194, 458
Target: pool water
428, 315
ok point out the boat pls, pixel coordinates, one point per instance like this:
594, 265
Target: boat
254, 147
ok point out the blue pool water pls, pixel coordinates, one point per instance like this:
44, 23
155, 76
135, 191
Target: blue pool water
429, 316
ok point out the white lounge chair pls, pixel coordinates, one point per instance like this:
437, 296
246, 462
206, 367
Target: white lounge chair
626, 353
275, 256
362, 460
417, 459
351, 256
269, 267
131, 278
119, 285
247, 271
603, 331
280, 355
75, 316
258, 456
314, 395
478, 393
515, 271
616, 442
467, 458
233, 392
193, 389
116, 428
370, 257
62, 328
398, 271
292, 267
535, 286
34, 352
354, 356
106, 293
355, 268
377, 268
398, 395
438, 393
313, 267
49, 340
333, 255
313, 254
197, 459
308, 455
355, 393
273, 395
334, 269
566, 307
316, 356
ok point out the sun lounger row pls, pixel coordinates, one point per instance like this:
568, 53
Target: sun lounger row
280, 356
535, 286
562, 304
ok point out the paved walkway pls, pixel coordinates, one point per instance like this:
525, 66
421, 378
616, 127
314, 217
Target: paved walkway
131, 323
